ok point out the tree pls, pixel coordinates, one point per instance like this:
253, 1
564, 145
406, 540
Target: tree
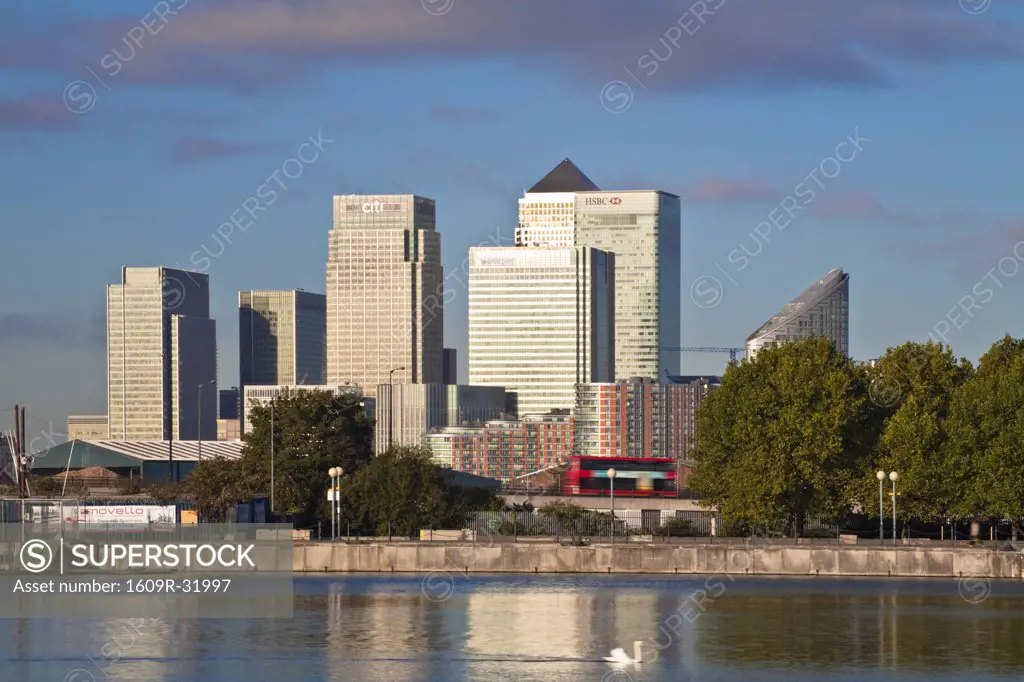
216, 486
915, 384
313, 431
986, 435
402, 491
785, 436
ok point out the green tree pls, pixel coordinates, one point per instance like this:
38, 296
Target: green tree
986, 435
402, 491
785, 437
313, 431
215, 486
915, 384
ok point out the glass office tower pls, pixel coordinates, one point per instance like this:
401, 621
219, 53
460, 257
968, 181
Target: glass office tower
642, 229
385, 292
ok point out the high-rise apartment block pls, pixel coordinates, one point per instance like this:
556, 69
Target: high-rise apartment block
635, 418
541, 320
505, 449
161, 356
642, 230
822, 310
282, 337
694, 389
384, 292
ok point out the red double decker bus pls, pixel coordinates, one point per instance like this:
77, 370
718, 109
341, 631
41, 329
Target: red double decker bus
655, 477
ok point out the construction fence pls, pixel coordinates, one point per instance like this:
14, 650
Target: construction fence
115, 513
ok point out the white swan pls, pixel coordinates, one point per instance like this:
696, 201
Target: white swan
620, 658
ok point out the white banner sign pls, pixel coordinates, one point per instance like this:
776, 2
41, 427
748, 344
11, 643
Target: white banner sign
126, 514
106, 514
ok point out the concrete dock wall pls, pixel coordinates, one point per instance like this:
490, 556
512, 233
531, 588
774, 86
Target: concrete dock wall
537, 557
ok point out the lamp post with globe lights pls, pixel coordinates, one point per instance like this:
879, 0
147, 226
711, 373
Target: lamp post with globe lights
611, 480
893, 476
334, 496
880, 475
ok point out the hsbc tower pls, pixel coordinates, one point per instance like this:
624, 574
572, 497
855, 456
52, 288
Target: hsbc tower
642, 228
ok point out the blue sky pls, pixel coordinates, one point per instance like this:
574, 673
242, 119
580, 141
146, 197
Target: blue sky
470, 103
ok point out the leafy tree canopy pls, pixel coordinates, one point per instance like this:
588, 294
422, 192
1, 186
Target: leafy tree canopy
402, 491
313, 431
986, 434
915, 384
785, 436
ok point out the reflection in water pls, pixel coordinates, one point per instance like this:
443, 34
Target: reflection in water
551, 628
889, 630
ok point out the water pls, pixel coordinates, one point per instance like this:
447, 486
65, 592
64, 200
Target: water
556, 628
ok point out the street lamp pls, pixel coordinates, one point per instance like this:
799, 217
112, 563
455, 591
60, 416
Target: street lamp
391, 402
332, 472
335, 473
880, 475
893, 476
611, 480
272, 456
199, 427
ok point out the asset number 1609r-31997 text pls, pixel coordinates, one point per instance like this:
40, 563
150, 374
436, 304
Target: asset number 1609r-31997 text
172, 586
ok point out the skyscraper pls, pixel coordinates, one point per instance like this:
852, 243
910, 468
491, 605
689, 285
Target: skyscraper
547, 212
385, 307
161, 356
230, 403
282, 337
821, 310
450, 375
541, 320
642, 229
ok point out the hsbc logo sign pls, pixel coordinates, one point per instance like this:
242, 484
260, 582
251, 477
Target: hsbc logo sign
603, 201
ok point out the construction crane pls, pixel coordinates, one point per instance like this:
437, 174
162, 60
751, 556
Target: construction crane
707, 349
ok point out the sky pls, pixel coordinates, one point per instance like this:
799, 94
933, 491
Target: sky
802, 135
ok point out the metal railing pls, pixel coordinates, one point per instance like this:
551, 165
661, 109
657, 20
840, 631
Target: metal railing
629, 522
592, 523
